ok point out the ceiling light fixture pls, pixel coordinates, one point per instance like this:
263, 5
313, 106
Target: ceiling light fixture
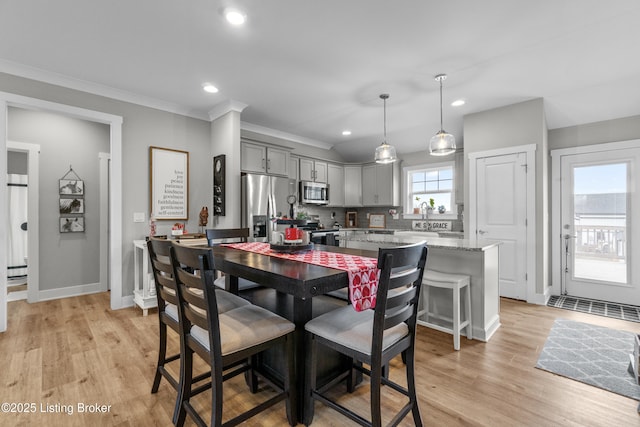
235, 17
208, 87
442, 143
346, 132
385, 153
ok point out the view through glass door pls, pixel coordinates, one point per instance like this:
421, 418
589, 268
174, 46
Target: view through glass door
598, 228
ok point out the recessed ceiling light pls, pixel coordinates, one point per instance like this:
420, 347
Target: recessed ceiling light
235, 17
346, 132
458, 102
208, 87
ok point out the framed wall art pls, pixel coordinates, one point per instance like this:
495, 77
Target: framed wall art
71, 187
377, 221
73, 224
169, 183
72, 206
71, 202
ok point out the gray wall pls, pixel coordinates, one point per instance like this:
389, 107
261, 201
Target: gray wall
519, 124
142, 127
624, 129
66, 259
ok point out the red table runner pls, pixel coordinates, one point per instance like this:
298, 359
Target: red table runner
363, 271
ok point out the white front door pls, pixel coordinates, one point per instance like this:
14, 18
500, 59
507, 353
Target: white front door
599, 231
501, 214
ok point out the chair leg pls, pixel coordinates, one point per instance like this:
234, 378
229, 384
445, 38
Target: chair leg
468, 306
250, 376
376, 384
411, 386
216, 396
456, 318
310, 380
355, 376
162, 355
290, 384
184, 392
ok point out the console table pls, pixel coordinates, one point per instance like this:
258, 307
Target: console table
144, 290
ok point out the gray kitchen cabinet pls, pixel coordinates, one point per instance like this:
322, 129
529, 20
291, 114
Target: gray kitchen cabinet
294, 166
381, 184
262, 159
352, 185
335, 178
313, 170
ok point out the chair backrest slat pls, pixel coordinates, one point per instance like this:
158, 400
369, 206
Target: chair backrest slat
196, 294
159, 255
402, 269
232, 234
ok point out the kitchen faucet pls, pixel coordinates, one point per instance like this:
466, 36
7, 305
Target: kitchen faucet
424, 208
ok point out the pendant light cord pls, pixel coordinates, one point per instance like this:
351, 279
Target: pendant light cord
441, 124
384, 115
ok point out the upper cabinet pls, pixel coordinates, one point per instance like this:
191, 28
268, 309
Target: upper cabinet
335, 178
262, 159
352, 185
294, 167
313, 170
381, 184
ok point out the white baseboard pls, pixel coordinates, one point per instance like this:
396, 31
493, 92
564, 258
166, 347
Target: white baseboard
70, 291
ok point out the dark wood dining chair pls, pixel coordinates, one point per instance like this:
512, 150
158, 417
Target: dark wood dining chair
168, 312
373, 337
227, 341
216, 236
159, 255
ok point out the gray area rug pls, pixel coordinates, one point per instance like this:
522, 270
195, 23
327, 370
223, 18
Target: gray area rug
590, 354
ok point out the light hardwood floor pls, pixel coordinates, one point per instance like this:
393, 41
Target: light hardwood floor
77, 350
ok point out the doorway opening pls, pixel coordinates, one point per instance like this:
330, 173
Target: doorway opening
596, 256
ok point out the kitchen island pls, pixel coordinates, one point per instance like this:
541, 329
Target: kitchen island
478, 258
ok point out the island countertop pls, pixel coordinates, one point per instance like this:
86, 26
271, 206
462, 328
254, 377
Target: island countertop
405, 237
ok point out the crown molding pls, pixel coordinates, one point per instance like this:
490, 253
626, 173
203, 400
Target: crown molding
225, 107
284, 135
49, 77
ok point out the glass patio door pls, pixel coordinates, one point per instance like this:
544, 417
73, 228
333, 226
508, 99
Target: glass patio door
599, 231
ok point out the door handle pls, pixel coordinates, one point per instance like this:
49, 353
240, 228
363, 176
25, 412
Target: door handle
482, 232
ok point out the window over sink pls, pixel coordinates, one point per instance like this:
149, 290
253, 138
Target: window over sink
430, 181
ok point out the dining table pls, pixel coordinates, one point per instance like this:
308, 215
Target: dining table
301, 280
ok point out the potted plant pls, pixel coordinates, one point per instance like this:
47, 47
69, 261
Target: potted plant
417, 210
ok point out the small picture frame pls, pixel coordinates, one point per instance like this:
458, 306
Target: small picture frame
74, 224
71, 187
377, 221
72, 206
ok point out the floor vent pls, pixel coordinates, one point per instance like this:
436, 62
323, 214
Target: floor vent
601, 308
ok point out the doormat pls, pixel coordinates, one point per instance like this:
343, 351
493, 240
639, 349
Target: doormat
601, 308
590, 354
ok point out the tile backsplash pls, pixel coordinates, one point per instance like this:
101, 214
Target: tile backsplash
325, 217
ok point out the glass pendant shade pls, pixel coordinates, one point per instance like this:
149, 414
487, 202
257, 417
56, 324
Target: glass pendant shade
385, 153
442, 144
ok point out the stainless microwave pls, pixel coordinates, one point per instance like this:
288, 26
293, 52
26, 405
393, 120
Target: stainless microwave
316, 193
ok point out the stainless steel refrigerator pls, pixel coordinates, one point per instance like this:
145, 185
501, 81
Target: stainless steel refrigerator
264, 198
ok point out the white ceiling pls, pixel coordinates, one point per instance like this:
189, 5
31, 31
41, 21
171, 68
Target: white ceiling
313, 68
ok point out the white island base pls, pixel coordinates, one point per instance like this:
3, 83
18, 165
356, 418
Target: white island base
477, 258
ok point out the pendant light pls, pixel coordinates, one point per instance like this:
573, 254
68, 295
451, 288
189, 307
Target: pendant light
442, 143
385, 153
